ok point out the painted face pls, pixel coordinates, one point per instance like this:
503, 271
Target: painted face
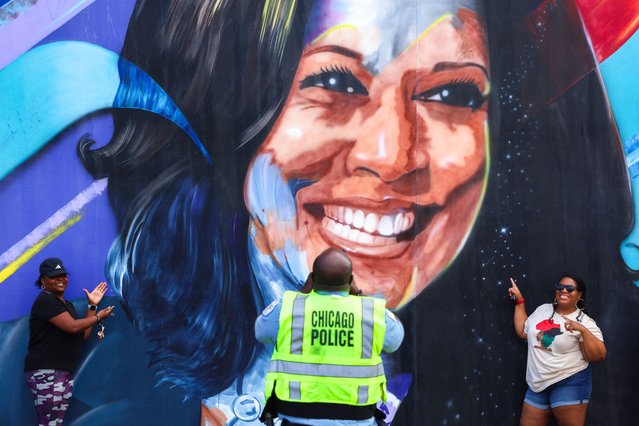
380, 149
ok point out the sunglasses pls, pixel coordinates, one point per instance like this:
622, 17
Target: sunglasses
568, 288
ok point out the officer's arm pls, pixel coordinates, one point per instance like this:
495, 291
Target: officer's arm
394, 333
268, 323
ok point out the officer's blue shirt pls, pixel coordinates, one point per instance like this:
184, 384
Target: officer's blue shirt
267, 326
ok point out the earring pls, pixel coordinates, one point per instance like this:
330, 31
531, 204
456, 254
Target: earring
581, 306
42, 287
554, 302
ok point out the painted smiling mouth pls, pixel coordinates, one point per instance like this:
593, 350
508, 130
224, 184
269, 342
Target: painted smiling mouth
363, 226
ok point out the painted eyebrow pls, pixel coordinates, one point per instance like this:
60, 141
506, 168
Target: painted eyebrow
443, 66
336, 49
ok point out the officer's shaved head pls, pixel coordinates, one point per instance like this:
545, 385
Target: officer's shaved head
332, 271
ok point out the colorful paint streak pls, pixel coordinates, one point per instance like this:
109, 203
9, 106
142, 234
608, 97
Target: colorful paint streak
26, 23
25, 256
610, 24
40, 237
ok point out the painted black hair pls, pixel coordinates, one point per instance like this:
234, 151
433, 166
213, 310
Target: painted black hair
180, 262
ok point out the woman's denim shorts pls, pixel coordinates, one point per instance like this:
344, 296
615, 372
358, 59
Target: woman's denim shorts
572, 390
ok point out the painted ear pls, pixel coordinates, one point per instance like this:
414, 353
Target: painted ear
60, 83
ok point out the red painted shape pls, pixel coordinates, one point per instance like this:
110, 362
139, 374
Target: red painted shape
561, 41
546, 325
610, 23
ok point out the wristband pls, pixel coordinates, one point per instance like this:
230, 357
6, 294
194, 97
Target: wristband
520, 301
93, 307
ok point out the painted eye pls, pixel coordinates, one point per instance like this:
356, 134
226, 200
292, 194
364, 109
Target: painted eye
455, 94
335, 79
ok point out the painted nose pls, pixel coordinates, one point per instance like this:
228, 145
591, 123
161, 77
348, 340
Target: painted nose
386, 144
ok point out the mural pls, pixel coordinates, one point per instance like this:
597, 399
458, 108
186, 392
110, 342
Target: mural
198, 155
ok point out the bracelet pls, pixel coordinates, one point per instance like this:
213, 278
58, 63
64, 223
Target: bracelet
520, 301
100, 332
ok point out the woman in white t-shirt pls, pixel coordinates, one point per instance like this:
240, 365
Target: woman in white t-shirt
562, 342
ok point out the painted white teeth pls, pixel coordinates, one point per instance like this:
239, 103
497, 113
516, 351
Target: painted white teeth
348, 216
397, 225
358, 219
370, 225
386, 226
329, 224
365, 227
365, 238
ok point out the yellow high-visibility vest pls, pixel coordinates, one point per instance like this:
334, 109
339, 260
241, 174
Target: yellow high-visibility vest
328, 350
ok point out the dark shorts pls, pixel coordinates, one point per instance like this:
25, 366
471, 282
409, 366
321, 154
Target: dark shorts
572, 390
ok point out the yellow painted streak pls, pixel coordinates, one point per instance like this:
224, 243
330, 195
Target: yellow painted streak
417, 39
265, 11
409, 293
270, 15
12, 267
429, 29
275, 14
332, 30
289, 18
486, 92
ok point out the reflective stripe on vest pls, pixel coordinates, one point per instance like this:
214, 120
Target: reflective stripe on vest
367, 328
326, 370
297, 331
362, 394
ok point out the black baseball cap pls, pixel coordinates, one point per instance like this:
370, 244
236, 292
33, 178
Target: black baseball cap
52, 267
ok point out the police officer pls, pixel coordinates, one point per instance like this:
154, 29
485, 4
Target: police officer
326, 367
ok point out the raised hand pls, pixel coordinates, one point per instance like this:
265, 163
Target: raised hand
513, 291
106, 312
571, 325
96, 295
